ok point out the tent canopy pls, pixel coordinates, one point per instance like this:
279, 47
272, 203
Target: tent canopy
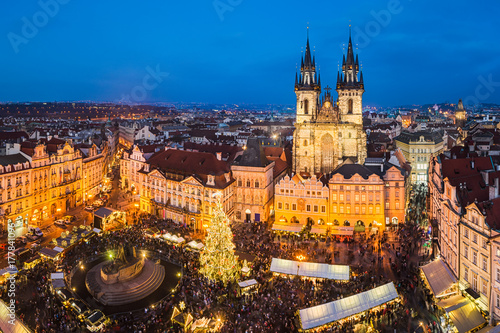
289, 228
310, 269
57, 276
247, 283
465, 316
329, 312
438, 275
318, 230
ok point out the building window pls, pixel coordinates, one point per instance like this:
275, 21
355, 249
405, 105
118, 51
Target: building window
498, 274
308, 208
323, 209
356, 197
484, 289
294, 206
334, 196
498, 300
280, 205
485, 264
466, 233
466, 252
387, 205
256, 183
466, 274
474, 237
315, 208
474, 257
334, 209
248, 183
341, 209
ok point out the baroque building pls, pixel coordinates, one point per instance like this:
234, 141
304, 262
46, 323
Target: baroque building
327, 131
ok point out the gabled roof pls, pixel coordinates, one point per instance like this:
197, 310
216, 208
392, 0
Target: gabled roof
348, 170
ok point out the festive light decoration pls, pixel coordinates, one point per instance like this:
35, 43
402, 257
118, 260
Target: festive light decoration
217, 260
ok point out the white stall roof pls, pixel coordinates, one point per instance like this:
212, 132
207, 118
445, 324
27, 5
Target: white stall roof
286, 227
310, 269
439, 276
58, 249
5, 326
247, 283
195, 245
329, 312
97, 231
57, 276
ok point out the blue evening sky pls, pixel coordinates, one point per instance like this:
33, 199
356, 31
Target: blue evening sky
242, 51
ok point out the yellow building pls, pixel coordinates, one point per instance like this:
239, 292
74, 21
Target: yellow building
418, 148
299, 202
355, 195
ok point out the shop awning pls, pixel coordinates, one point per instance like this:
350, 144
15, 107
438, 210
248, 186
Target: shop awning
247, 283
286, 227
439, 276
317, 230
465, 316
342, 231
310, 269
329, 312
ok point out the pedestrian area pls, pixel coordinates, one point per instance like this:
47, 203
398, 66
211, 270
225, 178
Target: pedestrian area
7, 327
346, 307
310, 269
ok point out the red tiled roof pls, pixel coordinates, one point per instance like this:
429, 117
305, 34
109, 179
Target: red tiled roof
492, 211
190, 163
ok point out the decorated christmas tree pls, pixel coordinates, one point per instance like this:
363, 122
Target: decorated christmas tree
217, 260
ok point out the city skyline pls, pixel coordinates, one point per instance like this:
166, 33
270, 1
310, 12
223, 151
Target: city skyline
219, 53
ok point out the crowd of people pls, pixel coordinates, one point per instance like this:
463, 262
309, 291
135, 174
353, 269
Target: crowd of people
271, 308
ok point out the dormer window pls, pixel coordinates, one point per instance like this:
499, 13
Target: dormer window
211, 180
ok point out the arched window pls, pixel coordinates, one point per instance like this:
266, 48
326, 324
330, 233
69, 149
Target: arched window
349, 105
306, 106
248, 183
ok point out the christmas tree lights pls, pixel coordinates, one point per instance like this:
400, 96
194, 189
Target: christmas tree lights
217, 260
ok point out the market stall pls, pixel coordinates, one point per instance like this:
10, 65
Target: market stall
440, 279
343, 308
461, 313
310, 269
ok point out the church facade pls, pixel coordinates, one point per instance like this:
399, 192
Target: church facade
327, 132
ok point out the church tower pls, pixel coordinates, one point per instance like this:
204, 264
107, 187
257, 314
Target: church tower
350, 88
327, 132
460, 115
307, 88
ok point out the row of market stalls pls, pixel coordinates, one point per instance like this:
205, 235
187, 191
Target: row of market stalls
456, 312
347, 307
310, 269
174, 239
